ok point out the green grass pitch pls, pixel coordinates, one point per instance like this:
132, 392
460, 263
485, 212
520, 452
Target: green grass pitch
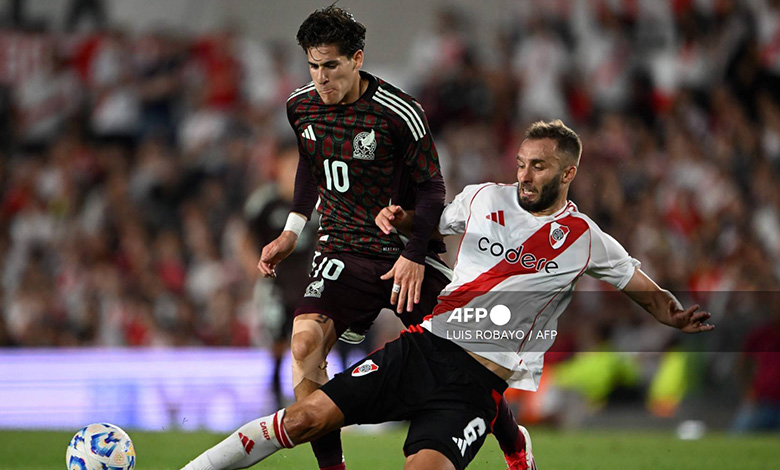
602, 450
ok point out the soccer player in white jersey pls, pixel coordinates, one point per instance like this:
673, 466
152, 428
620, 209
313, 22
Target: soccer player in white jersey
524, 247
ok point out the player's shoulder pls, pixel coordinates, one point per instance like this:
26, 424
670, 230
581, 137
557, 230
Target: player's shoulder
571, 211
387, 90
484, 190
492, 189
401, 108
301, 94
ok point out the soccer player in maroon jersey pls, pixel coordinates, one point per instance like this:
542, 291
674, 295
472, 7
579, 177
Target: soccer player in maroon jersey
363, 144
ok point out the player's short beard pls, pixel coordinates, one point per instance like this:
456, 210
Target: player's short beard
547, 196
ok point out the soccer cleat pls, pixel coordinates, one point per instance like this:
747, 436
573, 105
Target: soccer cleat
351, 336
523, 460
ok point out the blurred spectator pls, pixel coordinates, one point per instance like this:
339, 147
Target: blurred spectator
540, 63
759, 368
45, 102
79, 9
160, 60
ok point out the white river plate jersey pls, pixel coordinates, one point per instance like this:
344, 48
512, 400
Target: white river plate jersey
515, 274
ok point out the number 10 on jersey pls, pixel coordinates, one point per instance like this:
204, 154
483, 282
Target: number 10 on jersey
336, 176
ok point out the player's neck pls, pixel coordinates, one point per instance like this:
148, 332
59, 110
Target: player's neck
559, 204
356, 92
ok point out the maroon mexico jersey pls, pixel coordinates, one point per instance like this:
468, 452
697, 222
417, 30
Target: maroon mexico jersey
362, 156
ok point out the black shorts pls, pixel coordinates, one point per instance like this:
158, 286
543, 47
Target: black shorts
449, 398
346, 288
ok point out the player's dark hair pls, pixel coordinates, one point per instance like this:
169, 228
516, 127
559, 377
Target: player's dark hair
332, 25
567, 141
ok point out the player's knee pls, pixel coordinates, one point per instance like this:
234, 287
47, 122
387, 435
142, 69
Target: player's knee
303, 345
304, 422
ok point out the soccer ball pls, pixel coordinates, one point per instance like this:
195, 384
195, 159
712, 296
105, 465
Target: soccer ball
100, 446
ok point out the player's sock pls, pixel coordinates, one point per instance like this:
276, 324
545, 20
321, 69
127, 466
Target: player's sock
250, 444
328, 451
505, 429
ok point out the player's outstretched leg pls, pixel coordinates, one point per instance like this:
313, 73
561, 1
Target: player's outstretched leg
513, 439
306, 420
313, 337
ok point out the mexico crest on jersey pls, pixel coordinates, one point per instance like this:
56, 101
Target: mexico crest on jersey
315, 289
558, 234
364, 145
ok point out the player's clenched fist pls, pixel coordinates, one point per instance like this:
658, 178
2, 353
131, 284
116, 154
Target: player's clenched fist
390, 217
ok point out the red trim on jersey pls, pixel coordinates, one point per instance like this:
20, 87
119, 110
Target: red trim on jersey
568, 205
538, 244
533, 324
501, 217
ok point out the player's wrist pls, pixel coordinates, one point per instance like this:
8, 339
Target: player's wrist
413, 258
295, 224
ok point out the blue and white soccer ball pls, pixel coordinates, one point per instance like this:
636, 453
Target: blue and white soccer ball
100, 446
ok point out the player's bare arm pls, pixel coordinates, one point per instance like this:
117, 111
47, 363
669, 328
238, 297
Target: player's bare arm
279, 249
664, 306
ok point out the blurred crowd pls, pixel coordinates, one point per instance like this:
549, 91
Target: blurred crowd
127, 157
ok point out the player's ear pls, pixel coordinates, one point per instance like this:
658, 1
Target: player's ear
357, 59
568, 174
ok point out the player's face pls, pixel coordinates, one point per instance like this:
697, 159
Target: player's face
539, 176
336, 77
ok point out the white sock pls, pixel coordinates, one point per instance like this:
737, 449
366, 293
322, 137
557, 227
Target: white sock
250, 444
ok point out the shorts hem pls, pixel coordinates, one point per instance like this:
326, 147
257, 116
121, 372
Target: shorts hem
341, 400
432, 444
340, 326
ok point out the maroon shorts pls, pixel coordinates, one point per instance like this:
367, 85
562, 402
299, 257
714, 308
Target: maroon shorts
346, 288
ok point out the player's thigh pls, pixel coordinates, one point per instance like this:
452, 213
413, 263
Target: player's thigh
428, 459
456, 433
313, 334
346, 288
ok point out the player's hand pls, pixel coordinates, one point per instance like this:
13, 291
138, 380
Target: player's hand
690, 320
408, 275
392, 216
275, 252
